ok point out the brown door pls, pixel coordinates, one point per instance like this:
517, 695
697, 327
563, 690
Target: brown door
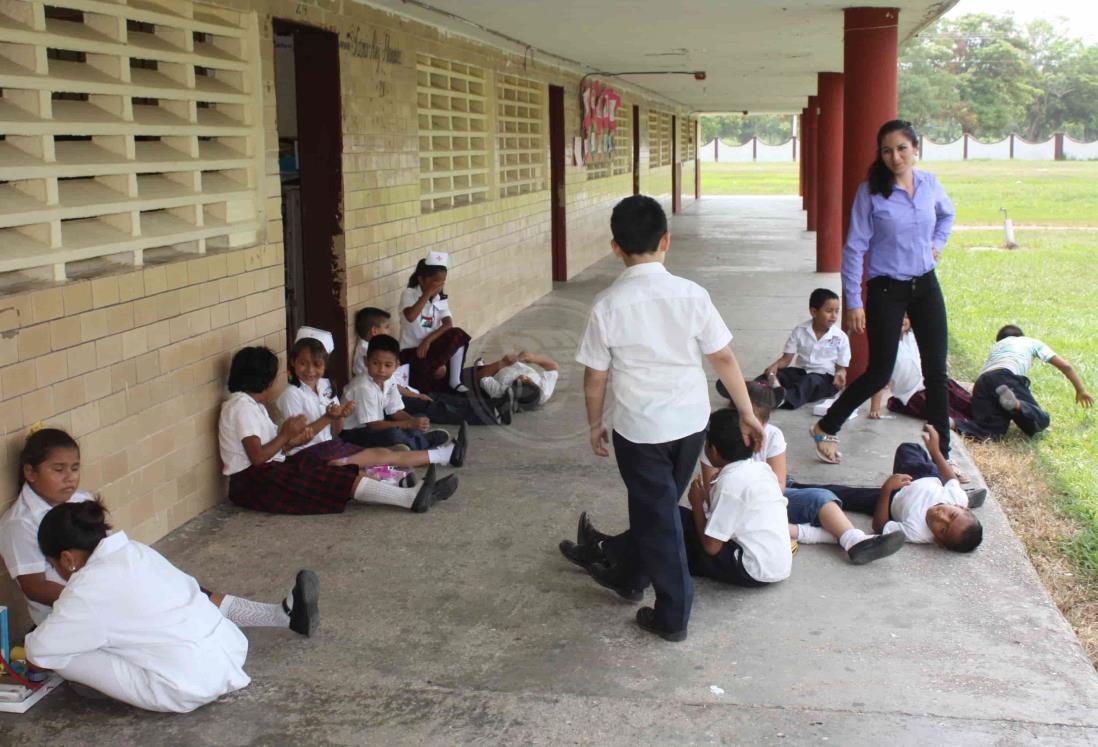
676, 168
318, 145
636, 149
556, 182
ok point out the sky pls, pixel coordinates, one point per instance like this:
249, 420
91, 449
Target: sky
1082, 15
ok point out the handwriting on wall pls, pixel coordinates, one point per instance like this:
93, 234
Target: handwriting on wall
377, 47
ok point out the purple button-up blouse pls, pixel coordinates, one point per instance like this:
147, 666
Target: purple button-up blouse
899, 234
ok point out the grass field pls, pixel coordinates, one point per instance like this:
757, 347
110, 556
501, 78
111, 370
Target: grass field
1045, 193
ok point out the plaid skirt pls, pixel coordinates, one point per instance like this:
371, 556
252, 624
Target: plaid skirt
302, 484
421, 371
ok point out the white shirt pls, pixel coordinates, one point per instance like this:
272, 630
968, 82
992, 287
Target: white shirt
358, 361
746, 506
429, 319
302, 400
19, 542
372, 402
128, 601
907, 374
818, 356
773, 445
1015, 354
910, 504
241, 417
546, 381
650, 330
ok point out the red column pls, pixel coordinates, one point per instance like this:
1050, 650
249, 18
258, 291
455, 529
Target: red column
811, 182
829, 174
869, 100
800, 156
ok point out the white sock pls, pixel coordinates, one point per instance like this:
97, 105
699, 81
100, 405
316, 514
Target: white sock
249, 614
457, 360
440, 454
810, 535
369, 490
852, 537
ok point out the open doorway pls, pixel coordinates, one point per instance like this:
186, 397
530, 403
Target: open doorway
556, 182
310, 151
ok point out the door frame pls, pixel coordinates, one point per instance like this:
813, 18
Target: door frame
557, 194
636, 149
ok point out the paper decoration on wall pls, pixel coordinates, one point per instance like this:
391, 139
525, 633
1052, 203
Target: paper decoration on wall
600, 104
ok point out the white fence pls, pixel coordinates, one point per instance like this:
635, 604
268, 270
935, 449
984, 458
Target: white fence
965, 148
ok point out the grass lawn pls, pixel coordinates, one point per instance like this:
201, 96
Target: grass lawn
1061, 193
1047, 289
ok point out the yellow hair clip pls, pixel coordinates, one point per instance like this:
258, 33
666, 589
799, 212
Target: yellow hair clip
35, 428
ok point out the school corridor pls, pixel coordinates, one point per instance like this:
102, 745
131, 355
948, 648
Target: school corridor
465, 625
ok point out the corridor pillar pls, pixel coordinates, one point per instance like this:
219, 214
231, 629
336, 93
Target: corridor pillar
800, 156
829, 173
811, 174
870, 55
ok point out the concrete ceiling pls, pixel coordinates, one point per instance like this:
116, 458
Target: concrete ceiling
758, 55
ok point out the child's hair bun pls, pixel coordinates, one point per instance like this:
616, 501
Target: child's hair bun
90, 515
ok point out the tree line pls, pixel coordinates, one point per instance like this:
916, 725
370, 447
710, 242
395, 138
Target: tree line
984, 75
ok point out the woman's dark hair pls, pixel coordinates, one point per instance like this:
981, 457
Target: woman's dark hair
725, 436
314, 347
384, 344
252, 370
72, 526
424, 270
527, 395
881, 179
40, 445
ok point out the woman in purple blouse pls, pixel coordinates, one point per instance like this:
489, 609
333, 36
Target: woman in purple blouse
900, 222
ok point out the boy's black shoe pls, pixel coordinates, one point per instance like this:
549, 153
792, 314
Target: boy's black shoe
587, 534
504, 405
516, 406
409, 481
581, 555
604, 575
436, 437
461, 444
777, 397
305, 613
646, 618
425, 498
976, 496
445, 488
875, 547
722, 390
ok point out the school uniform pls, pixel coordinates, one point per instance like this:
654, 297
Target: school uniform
300, 399
374, 403
1007, 364
498, 384
650, 329
358, 359
812, 375
412, 333
908, 395
302, 483
19, 542
134, 627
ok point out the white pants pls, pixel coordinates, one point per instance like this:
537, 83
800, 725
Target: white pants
119, 679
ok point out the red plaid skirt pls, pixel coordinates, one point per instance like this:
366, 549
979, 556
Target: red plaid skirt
303, 484
421, 371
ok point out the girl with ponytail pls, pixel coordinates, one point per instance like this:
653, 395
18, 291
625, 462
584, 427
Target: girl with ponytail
899, 225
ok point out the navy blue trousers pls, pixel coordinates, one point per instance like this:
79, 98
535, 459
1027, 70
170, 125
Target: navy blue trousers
911, 459
990, 420
652, 551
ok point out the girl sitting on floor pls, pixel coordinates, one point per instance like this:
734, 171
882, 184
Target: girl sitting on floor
309, 393
128, 623
430, 344
49, 475
320, 479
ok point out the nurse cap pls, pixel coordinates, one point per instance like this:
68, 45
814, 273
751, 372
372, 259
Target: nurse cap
324, 338
437, 259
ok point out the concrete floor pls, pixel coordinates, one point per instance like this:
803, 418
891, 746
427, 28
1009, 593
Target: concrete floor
465, 625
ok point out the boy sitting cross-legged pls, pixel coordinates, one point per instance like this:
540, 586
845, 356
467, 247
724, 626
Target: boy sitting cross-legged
923, 498
736, 534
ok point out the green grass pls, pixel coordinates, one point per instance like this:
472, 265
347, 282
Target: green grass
1047, 289
1063, 193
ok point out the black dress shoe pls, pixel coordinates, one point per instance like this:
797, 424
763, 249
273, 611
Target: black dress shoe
425, 498
976, 496
587, 534
875, 547
461, 445
646, 618
605, 576
504, 407
305, 614
436, 437
445, 488
581, 555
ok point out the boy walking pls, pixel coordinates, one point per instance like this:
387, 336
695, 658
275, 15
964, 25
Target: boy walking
1001, 393
649, 331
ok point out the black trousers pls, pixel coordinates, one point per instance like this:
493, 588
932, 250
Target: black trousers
911, 459
454, 409
652, 551
384, 438
887, 301
990, 420
800, 386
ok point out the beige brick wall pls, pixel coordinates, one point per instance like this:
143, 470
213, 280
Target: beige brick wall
133, 363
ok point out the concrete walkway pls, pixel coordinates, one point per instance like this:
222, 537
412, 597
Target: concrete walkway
465, 625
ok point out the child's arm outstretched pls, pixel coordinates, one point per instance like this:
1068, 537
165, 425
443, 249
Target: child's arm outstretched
1082, 396
594, 395
293, 432
783, 361
728, 368
37, 588
882, 513
546, 363
933, 446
